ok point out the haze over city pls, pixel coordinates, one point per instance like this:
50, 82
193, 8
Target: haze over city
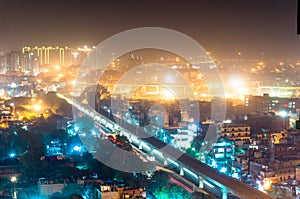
223, 28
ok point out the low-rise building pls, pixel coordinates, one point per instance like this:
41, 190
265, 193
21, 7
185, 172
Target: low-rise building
239, 133
134, 193
266, 174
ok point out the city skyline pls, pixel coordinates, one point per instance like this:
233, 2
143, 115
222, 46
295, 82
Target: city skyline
254, 29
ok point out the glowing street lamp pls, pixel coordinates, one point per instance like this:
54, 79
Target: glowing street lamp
12, 155
14, 179
77, 148
37, 107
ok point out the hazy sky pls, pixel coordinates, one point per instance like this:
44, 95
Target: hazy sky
223, 27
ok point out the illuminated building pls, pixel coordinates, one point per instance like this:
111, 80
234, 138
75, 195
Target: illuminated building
29, 62
281, 171
266, 103
183, 138
238, 133
223, 155
134, 193
277, 91
57, 55
50, 55
80, 54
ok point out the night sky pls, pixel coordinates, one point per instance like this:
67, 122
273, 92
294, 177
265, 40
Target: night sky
224, 27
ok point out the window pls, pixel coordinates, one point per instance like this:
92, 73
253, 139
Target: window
219, 155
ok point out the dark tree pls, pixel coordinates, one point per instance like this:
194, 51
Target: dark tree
33, 166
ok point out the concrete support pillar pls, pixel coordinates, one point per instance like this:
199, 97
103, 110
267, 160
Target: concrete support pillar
151, 152
15, 194
224, 194
181, 171
201, 185
165, 161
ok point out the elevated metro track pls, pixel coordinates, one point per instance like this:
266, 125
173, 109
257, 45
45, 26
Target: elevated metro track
200, 174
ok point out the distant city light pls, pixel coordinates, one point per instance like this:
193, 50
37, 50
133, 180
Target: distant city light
168, 94
267, 185
75, 54
13, 85
77, 148
13, 179
203, 95
283, 113
37, 107
12, 155
227, 121
235, 175
223, 170
236, 82
93, 132
214, 164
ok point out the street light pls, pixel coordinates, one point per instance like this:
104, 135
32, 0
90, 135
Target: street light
12, 155
77, 148
37, 107
14, 179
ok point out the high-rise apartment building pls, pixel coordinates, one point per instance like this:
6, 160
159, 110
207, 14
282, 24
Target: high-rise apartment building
51, 55
29, 62
12, 62
267, 103
30, 59
56, 55
1, 63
